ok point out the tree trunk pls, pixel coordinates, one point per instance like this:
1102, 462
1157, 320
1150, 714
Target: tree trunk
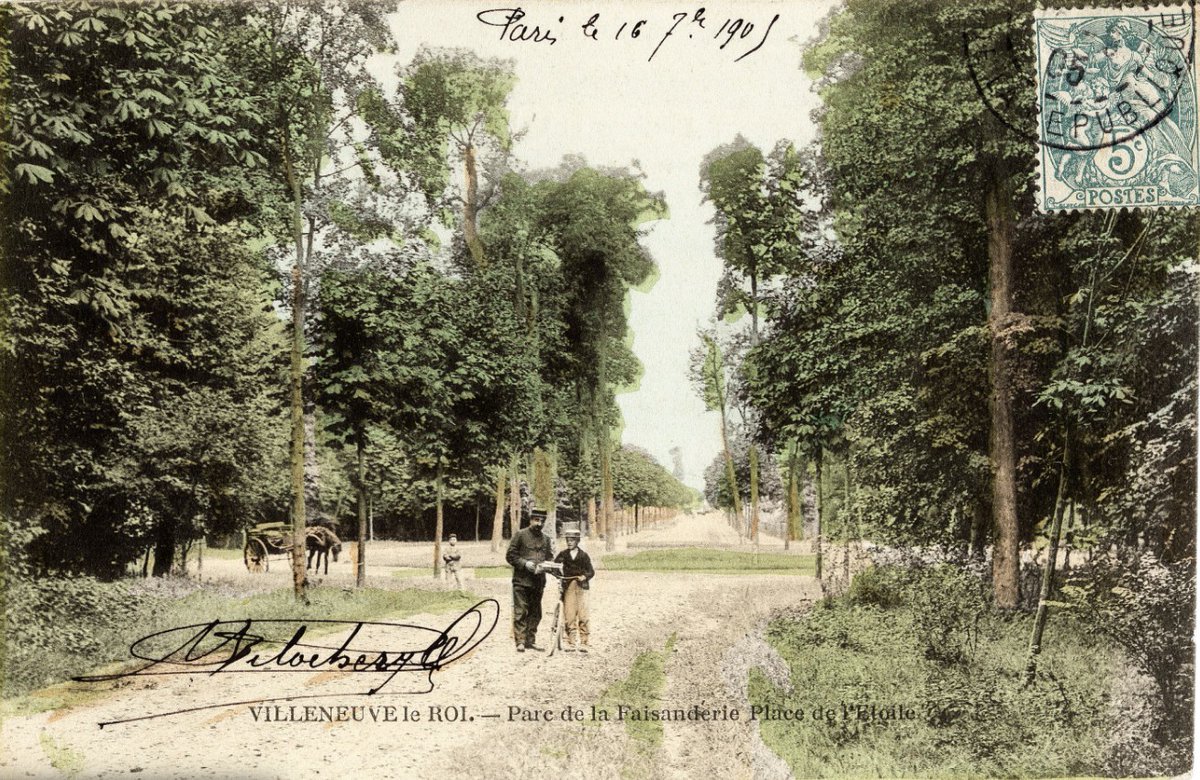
754, 494
846, 530
1069, 538
1006, 561
979, 530
299, 518
477, 518
718, 389
498, 516
164, 547
514, 506
471, 207
820, 510
439, 525
794, 520
754, 475
555, 457
730, 474
297, 445
591, 517
546, 495
606, 494
1043, 607
753, 303
360, 574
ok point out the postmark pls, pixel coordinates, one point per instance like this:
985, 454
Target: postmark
1117, 121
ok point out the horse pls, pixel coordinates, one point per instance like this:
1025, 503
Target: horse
320, 541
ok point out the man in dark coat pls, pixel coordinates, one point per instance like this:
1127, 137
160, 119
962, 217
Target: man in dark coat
527, 551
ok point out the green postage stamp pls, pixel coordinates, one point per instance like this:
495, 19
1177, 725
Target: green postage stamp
1117, 100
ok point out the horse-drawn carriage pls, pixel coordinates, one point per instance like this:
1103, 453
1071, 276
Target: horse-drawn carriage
267, 539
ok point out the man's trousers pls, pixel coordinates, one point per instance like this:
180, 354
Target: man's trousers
527, 611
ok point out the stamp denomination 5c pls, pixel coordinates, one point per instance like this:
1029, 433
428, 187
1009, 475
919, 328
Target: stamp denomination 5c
1118, 108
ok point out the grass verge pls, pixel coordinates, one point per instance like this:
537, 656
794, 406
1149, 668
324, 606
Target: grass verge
410, 573
696, 559
62, 758
919, 677
643, 688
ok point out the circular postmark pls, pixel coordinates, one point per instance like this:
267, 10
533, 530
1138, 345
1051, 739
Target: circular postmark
1105, 80
1109, 95
1102, 78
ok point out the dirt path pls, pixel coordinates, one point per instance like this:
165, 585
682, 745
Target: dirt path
712, 617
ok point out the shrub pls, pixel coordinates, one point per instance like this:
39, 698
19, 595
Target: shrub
947, 607
946, 655
52, 623
878, 586
1146, 607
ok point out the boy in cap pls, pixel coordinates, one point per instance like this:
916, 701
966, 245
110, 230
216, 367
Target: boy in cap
527, 551
577, 573
451, 558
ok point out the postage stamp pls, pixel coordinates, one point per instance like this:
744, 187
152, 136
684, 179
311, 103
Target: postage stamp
1117, 101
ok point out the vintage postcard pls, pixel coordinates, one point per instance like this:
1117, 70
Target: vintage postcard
616, 390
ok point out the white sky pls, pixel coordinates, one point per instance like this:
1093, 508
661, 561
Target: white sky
603, 100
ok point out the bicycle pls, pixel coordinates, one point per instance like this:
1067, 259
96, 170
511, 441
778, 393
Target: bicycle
556, 623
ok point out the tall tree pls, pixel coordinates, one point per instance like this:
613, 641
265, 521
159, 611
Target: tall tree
457, 102
130, 138
761, 224
973, 168
592, 219
708, 374
312, 54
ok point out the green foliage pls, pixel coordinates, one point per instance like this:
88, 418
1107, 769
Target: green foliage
761, 217
643, 687
716, 477
455, 99
707, 371
947, 608
875, 349
590, 221
151, 146
73, 617
878, 586
1147, 609
639, 480
971, 716
434, 369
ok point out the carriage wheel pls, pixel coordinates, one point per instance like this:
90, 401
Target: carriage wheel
255, 555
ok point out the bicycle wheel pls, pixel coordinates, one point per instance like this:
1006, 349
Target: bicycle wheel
556, 630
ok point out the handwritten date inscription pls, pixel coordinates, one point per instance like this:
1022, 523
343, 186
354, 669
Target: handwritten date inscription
738, 36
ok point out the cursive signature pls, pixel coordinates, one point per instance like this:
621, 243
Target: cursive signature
244, 646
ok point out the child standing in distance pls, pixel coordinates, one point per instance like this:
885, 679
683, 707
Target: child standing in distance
451, 558
577, 573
